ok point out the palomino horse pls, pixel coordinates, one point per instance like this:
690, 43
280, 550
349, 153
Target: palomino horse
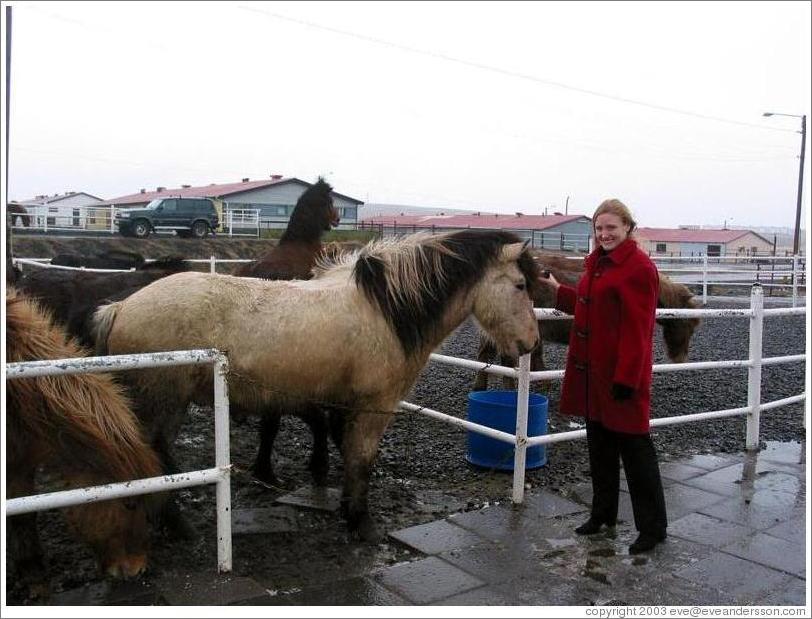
293, 258
385, 308
676, 332
81, 426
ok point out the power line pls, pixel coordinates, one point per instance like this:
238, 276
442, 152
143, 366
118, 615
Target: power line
508, 72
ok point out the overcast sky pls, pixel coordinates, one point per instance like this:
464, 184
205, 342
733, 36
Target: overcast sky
494, 106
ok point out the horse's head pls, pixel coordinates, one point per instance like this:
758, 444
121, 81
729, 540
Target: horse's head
677, 332
503, 304
118, 533
314, 213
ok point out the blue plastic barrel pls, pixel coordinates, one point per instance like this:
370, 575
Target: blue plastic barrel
497, 409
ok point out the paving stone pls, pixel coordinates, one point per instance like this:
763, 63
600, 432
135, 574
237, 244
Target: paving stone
279, 519
496, 522
707, 530
772, 552
360, 591
550, 504
784, 452
426, 581
119, 593
731, 481
481, 596
681, 500
436, 537
204, 589
678, 471
754, 515
496, 563
710, 462
314, 497
746, 581
793, 530
792, 593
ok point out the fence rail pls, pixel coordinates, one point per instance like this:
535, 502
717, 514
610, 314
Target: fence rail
220, 475
755, 315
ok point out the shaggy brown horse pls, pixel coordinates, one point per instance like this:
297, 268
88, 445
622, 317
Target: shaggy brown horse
293, 258
81, 427
386, 308
677, 332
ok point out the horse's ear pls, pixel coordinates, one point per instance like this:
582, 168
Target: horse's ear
511, 252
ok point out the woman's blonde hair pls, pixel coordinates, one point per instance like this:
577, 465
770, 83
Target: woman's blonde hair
615, 207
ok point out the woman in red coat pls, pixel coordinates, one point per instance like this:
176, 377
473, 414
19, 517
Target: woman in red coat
608, 373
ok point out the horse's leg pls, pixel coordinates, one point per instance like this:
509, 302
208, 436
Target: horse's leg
508, 382
485, 354
360, 447
23, 540
268, 429
171, 517
316, 418
336, 419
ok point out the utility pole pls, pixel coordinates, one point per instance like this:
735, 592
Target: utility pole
800, 189
567, 206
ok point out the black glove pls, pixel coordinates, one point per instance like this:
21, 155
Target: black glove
621, 392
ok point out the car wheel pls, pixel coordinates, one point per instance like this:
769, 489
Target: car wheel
200, 229
141, 229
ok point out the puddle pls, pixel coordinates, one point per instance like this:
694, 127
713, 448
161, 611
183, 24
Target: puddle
561, 543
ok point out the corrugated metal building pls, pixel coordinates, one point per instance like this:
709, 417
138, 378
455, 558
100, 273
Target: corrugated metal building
569, 232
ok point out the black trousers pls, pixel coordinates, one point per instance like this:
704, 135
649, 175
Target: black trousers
606, 449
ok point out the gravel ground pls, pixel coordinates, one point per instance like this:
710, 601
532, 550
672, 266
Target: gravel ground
421, 473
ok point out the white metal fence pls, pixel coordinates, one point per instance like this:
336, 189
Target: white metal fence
219, 475
756, 314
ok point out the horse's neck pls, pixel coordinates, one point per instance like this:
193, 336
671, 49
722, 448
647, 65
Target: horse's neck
454, 314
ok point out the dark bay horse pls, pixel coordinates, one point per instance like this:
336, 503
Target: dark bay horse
386, 309
73, 296
111, 259
677, 332
294, 258
82, 428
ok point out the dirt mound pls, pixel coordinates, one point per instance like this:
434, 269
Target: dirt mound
40, 246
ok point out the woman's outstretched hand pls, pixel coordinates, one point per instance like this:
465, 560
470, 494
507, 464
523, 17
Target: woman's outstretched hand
546, 278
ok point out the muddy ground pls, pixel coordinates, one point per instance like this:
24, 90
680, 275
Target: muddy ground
421, 473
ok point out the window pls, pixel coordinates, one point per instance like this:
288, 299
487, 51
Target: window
714, 250
170, 206
660, 248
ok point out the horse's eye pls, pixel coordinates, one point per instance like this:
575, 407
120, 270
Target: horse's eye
521, 286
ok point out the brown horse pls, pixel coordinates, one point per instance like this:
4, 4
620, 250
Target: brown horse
386, 309
677, 332
294, 258
80, 426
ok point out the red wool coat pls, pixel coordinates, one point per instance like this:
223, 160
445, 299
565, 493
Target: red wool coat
612, 338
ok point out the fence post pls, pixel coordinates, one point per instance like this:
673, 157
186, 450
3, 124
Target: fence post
794, 280
520, 453
212, 264
222, 458
754, 372
112, 219
704, 279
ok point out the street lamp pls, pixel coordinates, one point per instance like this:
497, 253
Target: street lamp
800, 178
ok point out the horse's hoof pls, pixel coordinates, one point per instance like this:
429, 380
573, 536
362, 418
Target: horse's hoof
319, 471
366, 531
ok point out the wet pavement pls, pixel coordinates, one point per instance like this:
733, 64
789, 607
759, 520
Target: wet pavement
736, 536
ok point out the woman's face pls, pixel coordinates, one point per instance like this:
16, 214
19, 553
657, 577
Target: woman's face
610, 231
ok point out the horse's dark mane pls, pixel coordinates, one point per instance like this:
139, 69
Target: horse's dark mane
412, 282
303, 225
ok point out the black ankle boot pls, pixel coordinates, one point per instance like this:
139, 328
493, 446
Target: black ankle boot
592, 526
645, 542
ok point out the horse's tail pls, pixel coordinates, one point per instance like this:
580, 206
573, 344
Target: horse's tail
103, 320
85, 420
